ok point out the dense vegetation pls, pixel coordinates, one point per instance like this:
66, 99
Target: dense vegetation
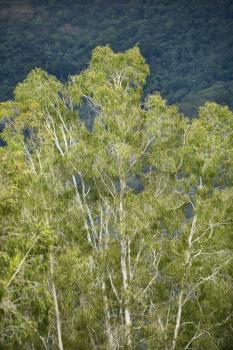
188, 44
115, 231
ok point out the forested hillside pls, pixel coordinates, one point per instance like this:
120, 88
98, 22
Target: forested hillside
116, 226
188, 44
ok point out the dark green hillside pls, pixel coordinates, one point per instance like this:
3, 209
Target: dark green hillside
188, 44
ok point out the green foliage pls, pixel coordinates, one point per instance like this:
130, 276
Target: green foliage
115, 234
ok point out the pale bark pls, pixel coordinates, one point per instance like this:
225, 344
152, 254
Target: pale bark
123, 246
178, 319
57, 312
111, 343
127, 315
181, 294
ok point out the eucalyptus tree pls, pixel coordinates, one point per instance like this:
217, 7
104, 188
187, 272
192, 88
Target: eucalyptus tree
195, 163
121, 233
21, 294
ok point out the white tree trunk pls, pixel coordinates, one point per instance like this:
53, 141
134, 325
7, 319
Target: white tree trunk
127, 315
57, 312
111, 343
178, 319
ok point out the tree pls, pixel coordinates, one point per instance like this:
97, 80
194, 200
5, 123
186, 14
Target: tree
125, 222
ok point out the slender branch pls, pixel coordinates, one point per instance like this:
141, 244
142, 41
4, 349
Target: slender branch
18, 268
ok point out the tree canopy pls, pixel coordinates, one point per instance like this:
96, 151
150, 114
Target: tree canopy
116, 215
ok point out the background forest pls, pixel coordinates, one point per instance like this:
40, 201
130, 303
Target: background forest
188, 44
